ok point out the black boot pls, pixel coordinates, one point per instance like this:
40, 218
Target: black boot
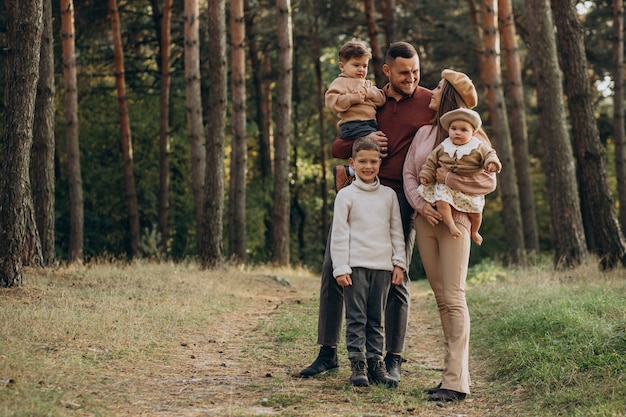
359, 373
393, 363
377, 372
326, 361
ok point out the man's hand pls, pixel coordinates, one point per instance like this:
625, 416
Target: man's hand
381, 140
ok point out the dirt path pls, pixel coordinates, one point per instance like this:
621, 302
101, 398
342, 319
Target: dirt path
221, 373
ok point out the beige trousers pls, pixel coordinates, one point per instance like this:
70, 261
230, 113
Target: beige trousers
445, 261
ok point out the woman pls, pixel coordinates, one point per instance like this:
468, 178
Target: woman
446, 258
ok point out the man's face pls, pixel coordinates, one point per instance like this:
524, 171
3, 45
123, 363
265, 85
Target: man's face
404, 75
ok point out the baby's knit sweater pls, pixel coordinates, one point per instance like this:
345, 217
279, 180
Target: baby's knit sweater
367, 229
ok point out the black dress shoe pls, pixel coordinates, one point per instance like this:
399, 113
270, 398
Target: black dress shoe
432, 390
447, 395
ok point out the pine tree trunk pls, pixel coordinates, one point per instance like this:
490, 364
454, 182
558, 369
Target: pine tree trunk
76, 244
389, 17
618, 107
377, 55
517, 123
24, 29
498, 119
195, 123
211, 248
164, 33
280, 215
603, 233
558, 162
317, 59
127, 143
42, 157
239, 155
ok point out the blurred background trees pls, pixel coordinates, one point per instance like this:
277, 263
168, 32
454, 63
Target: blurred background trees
269, 130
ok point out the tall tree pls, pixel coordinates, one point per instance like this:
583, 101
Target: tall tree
164, 26
570, 248
618, 108
42, 156
377, 54
76, 246
602, 230
239, 150
195, 123
319, 82
280, 214
211, 249
517, 124
389, 17
127, 143
260, 60
492, 78
24, 29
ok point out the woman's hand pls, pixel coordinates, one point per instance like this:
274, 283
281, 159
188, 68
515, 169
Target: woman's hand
431, 215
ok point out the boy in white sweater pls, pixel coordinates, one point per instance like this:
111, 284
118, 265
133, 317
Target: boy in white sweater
368, 254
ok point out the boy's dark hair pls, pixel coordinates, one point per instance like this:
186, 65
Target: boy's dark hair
399, 50
353, 49
364, 144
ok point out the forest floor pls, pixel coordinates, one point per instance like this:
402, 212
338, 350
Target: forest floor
222, 374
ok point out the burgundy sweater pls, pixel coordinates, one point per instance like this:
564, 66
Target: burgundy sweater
399, 120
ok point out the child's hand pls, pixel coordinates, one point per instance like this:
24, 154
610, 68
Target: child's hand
423, 181
492, 167
397, 276
344, 280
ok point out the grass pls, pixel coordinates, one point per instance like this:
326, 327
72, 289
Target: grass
147, 339
557, 338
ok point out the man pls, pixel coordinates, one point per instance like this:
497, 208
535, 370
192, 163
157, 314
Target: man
405, 111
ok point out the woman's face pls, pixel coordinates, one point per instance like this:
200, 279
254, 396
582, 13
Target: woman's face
435, 100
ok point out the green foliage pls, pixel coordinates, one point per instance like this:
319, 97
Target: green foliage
442, 31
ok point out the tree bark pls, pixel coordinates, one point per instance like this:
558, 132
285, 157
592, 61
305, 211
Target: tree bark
603, 233
164, 25
239, 150
195, 123
618, 107
317, 59
211, 249
389, 17
280, 215
498, 119
377, 55
262, 96
42, 157
127, 143
558, 162
517, 124
24, 29
76, 244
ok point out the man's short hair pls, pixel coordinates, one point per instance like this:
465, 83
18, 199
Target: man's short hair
353, 49
399, 50
364, 144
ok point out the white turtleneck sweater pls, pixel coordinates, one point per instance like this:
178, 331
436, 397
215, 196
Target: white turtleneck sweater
367, 229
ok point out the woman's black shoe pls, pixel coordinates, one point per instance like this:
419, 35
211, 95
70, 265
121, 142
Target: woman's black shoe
447, 395
432, 390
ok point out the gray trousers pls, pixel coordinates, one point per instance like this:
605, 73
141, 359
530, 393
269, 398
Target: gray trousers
331, 310
365, 302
